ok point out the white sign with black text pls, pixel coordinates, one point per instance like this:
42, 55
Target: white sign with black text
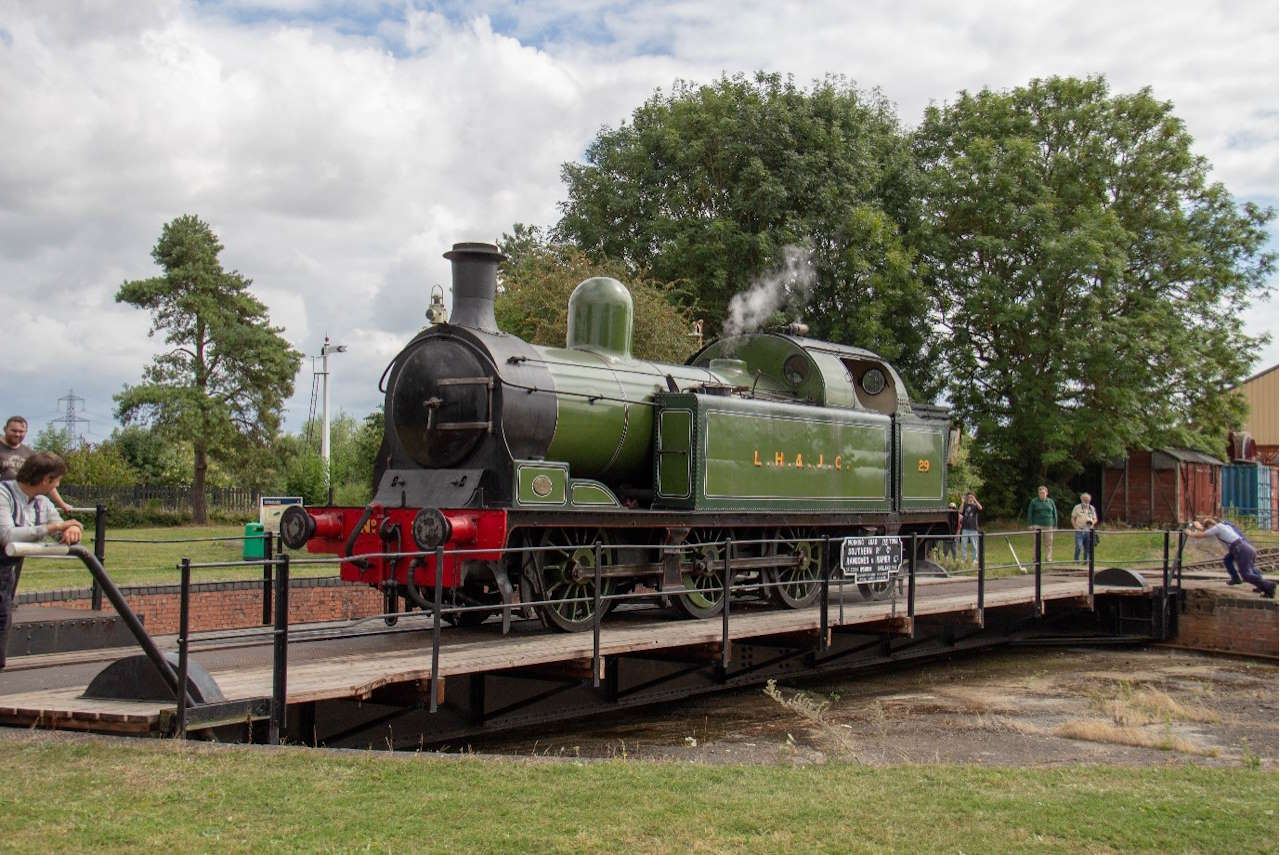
271, 508
870, 559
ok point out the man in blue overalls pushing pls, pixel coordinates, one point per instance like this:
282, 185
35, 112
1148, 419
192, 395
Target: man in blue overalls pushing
1240, 552
27, 515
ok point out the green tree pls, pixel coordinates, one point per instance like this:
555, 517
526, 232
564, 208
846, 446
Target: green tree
156, 458
101, 465
353, 447
55, 439
707, 186
538, 276
365, 444
304, 476
223, 380
1088, 276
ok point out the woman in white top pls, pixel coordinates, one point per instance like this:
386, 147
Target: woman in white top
1239, 550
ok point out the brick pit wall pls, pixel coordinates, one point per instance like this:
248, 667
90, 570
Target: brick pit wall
225, 605
1223, 622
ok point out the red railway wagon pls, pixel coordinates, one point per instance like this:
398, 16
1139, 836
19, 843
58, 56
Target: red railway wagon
1161, 487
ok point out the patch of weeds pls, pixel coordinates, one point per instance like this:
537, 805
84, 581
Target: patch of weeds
1097, 730
970, 701
804, 704
1128, 705
1247, 758
813, 710
1004, 724
1162, 704
878, 718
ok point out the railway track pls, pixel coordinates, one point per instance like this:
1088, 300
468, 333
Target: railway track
1267, 562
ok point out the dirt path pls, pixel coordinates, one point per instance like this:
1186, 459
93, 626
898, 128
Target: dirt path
1023, 708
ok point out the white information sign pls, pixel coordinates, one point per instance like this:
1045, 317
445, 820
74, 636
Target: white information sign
271, 508
870, 559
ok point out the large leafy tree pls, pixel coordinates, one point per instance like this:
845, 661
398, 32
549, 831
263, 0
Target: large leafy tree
1088, 276
707, 185
538, 276
224, 378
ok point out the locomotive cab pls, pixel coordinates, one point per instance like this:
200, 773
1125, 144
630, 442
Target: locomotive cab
810, 371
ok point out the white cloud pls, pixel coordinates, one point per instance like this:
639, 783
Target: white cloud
339, 148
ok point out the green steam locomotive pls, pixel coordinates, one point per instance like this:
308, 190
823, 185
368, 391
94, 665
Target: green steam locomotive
527, 473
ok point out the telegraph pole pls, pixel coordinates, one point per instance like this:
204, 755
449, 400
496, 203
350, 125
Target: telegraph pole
325, 350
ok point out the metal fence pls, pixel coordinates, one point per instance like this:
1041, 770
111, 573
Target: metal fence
162, 497
1160, 551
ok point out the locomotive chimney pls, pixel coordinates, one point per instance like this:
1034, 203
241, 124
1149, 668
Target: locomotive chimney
475, 284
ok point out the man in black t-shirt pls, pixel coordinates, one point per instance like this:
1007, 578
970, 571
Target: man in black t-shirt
970, 521
13, 454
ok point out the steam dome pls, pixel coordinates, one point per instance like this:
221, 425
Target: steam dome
601, 316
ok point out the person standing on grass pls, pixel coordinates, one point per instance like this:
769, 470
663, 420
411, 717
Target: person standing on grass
13, 453
1083, 519
1042, 514
970, 523
27, 515
1239, 549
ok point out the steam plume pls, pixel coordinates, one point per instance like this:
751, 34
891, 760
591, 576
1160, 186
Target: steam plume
786, 287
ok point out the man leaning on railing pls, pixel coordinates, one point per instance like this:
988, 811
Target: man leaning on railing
27, 515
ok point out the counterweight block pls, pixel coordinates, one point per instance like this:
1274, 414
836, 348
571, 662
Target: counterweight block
136, 678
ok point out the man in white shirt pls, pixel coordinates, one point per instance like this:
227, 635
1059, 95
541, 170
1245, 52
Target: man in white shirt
27, 515
1083, 519
1238, 548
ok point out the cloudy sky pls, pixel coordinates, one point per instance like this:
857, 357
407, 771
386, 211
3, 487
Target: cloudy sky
339, 148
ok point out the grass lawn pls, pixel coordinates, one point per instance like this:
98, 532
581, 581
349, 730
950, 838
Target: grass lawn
75, 795
155, 563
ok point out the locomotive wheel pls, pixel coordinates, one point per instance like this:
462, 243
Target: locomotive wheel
875, 590
466, 619
705, 583
882, 590
451, 618
800, 585
563, 571
474, 596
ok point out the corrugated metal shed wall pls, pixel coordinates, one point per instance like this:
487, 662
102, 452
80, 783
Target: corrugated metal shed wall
1249, 492
1262, 393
